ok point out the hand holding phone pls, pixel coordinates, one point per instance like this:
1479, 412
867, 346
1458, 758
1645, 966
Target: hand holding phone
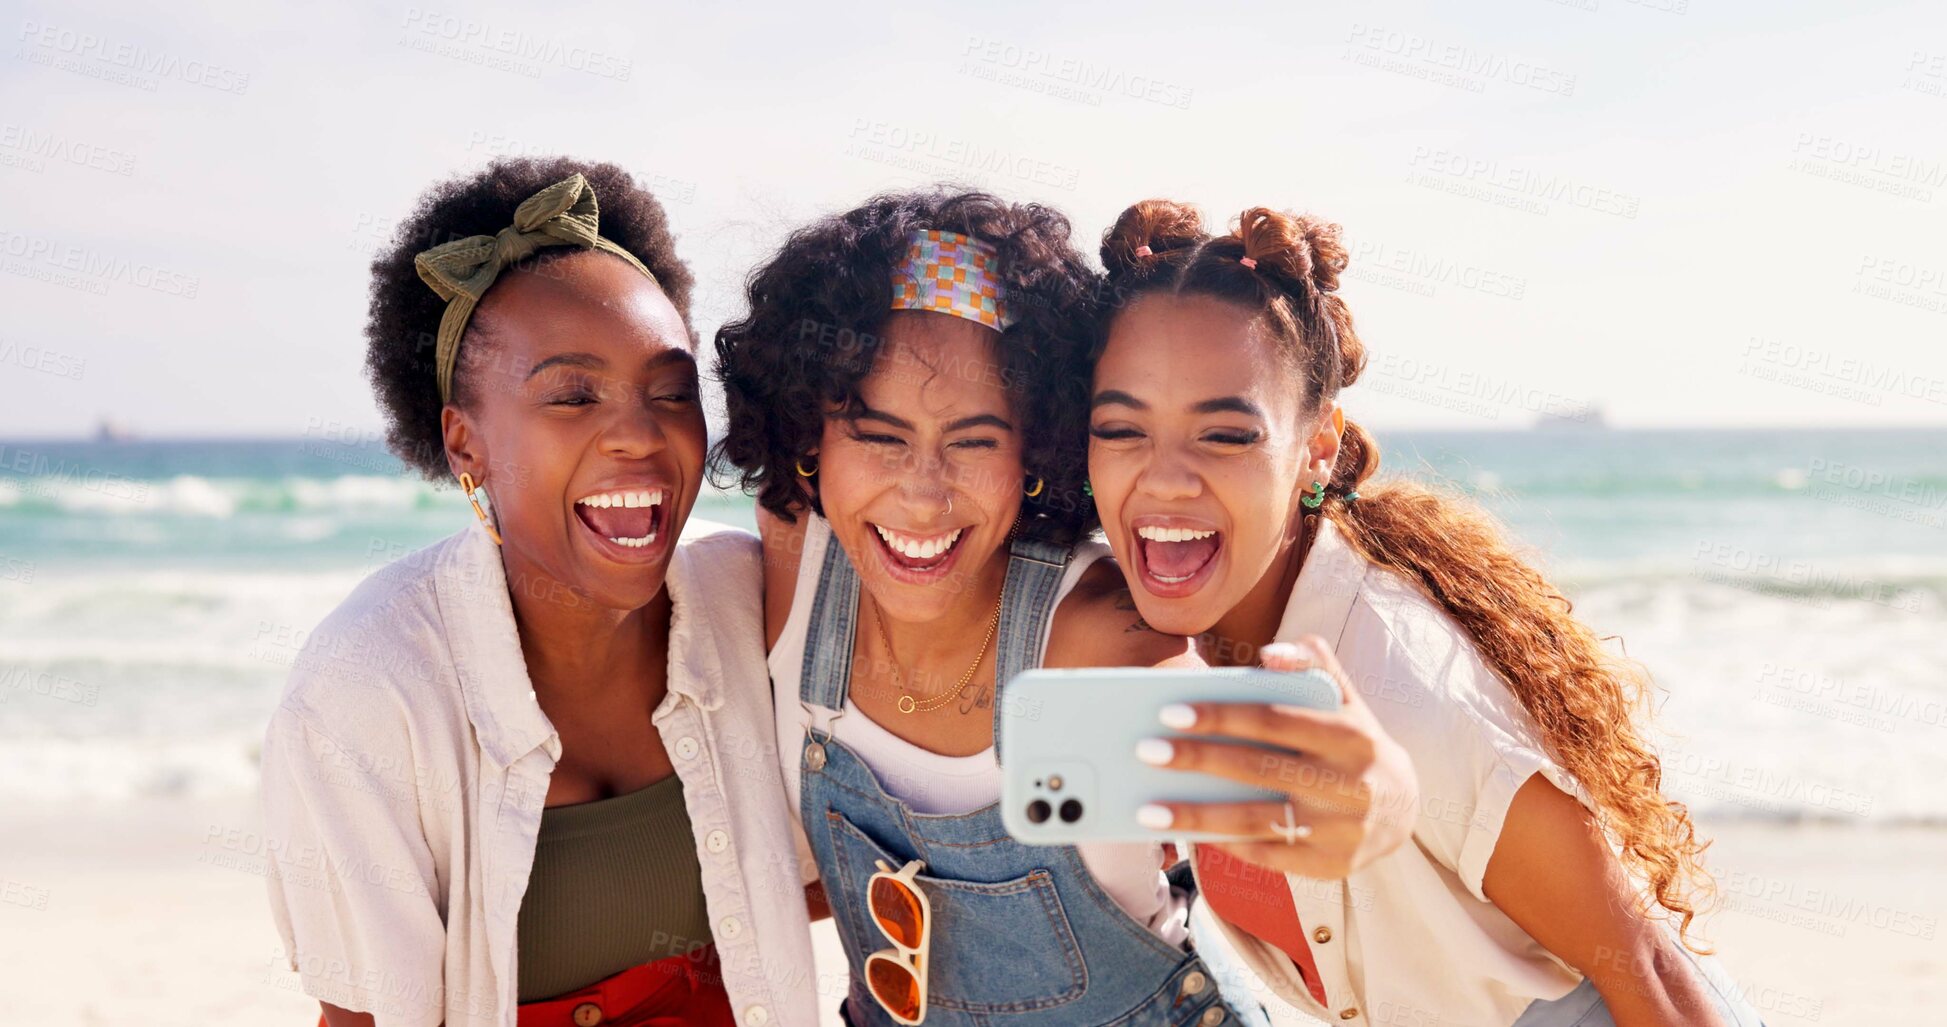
1345, 791
1282, 766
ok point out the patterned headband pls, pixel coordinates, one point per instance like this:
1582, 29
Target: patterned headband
951, 273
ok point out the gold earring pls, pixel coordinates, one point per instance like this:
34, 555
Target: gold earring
1036, 490
466, 483
802, 473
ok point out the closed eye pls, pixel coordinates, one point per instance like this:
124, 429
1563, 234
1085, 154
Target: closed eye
876, 439
1114, 434
1244, 438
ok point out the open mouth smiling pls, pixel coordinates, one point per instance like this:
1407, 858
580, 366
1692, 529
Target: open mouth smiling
917, 558
625, 521
1175, 559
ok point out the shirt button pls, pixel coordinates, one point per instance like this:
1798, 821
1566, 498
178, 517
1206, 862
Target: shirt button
1349, 1012
1193, 982
814, 756
588, 1014
686, 747
757, 1016
730, 927
1322, 935
1212, 1016
716, 841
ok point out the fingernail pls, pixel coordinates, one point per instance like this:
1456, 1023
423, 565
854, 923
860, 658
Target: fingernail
1156, 752
1155, 817
1180, 716
1288, 651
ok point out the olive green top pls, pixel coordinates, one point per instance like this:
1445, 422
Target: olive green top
615, 884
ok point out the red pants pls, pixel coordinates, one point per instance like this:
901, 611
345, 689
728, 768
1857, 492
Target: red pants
676, 992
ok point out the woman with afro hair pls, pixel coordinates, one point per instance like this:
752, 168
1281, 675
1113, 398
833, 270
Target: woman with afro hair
510, 780
907, 396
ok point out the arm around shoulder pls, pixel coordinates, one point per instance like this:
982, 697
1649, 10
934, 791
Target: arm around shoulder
783, 551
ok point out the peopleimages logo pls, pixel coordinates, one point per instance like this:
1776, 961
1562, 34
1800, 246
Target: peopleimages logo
81, 267
434, 27
76, 49
1454, 64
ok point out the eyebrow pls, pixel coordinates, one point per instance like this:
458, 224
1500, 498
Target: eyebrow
1220, 405
1229, 405
592, 362
588, 360
974, 421
980, 420
1117, 397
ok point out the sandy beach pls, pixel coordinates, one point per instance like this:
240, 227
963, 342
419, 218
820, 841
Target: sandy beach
155, 914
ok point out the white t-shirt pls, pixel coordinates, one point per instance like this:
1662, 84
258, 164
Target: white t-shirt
1130, 873
1412, 934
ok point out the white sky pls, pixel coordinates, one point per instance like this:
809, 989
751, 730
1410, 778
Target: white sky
1724, 214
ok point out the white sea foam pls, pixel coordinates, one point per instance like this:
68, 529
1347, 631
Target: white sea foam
1774, 704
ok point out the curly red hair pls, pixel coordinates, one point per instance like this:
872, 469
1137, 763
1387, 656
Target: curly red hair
1590, 706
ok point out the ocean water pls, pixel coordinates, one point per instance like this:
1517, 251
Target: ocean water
1787, 590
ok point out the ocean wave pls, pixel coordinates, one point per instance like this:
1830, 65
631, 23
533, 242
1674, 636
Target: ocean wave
191, 495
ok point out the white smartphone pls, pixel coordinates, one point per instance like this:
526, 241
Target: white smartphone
1069, 771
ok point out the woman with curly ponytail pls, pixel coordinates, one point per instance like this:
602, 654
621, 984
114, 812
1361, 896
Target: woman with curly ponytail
1550, 880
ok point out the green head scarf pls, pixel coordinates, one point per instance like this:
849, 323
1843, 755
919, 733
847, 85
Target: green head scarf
461, 271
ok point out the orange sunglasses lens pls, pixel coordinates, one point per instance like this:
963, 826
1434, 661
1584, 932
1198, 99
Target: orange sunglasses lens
894, 985
898, 911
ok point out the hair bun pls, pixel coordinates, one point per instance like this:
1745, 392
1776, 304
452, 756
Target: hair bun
1160, 225
1298, 246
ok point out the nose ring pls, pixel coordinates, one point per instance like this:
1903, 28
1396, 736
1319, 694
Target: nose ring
949, 506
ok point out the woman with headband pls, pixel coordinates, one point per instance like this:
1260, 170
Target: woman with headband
906, 401
523, 776
1546, 866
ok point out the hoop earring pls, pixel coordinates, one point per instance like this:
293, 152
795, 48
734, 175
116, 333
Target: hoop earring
802, 473
1036, 490
1317, 497
467, 484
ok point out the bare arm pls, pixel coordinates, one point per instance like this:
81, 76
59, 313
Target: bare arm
783, 546
1553, 873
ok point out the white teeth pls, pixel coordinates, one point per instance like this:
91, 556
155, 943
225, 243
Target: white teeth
624, 498
913, 547
635, 543
1156, 534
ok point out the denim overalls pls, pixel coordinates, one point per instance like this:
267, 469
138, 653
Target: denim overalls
1021, 934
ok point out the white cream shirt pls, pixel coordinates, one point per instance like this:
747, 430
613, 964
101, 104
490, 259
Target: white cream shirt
406, 767
1411, 938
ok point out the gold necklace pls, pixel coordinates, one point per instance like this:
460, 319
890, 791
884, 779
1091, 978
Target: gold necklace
907, 704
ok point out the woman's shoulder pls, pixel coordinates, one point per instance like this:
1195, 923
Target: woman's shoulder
723, 551
384, 646
1098, 625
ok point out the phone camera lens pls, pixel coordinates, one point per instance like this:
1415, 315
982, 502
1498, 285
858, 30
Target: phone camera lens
1038, 811
1071, 811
